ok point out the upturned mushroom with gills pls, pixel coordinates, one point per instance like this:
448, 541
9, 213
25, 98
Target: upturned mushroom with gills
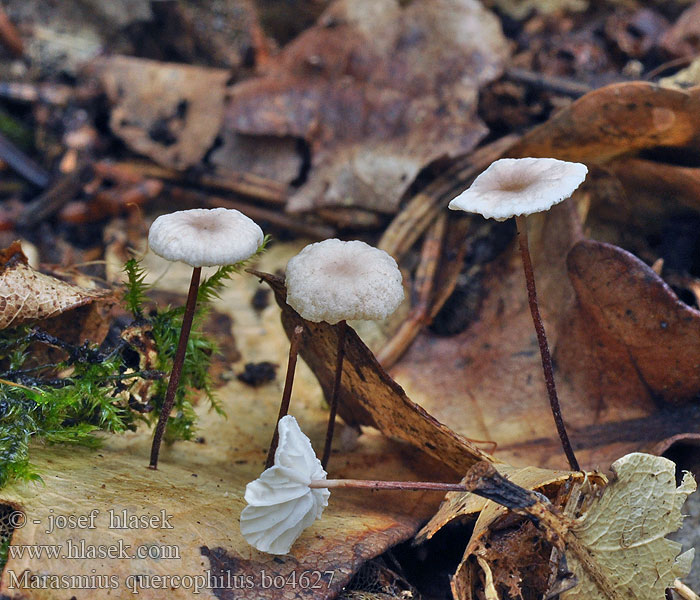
291, 494
517, 187
336, 281
200, 238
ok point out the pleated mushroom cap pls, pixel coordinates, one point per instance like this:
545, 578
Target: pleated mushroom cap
280, 502
334, 280
204, 237
520, 186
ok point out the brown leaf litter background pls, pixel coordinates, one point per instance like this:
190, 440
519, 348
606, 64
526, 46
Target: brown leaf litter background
377, 90
626, 350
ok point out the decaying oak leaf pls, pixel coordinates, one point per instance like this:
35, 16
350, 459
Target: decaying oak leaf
624, 531
631, 321
378, 89
369, 396
27, 295
169, 112
201, 485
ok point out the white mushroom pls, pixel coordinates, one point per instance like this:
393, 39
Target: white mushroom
204, 237
517, 187
335, 281
520, 186
199, 237
280, 502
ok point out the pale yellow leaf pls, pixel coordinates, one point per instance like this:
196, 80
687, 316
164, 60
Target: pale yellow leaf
624, 531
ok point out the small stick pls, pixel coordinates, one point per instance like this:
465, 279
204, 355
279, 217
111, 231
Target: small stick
287, 392
423, 288
341, 329
177, 367
21, 163
521, 222
9, 36
552, 83
56, 197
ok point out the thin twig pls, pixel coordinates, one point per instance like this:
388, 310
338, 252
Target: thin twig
552, 83
423, 289
21, 163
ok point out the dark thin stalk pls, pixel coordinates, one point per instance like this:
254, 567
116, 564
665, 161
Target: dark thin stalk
177, 367
542, 340
287, 392
341, 329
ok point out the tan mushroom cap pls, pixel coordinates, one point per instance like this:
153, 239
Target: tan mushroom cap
520, 186
204, 237
334, 280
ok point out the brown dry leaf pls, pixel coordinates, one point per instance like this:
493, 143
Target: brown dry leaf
379, 90
169, 112
27, 295
615, 120
683, 38
201, 486
368, 395
458, 505
628, 321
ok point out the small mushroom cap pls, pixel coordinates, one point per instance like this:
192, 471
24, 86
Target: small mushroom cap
280, 502
204, 237
334, 281
520, 186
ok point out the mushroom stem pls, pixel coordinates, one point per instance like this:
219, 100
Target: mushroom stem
481, 479
287, 392
521, 222
178, 361
390, 485
341, 330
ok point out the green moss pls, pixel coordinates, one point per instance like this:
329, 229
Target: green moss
39, 402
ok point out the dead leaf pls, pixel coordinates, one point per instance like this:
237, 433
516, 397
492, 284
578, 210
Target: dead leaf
458, 505
635, 324
200, 486
275, 158
378, 90
27, 295
615, 120
169, 112
625, 531
368, 395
